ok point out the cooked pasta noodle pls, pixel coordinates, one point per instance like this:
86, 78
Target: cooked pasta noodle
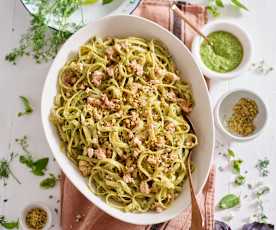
120, 113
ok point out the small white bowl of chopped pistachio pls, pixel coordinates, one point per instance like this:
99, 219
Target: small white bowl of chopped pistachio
36, 216
241, 114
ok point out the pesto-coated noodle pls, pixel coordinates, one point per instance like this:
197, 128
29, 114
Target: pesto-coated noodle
120, 113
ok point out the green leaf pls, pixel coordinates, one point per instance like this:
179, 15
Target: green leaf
49, 182
39, 166
238, 4
27, 106
230, 153
240, 180
27, 160
213, 10
229, 201
219, 3
106, 1
9, 224
236, 165
4, 169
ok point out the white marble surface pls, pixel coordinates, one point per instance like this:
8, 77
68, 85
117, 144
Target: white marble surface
26, 78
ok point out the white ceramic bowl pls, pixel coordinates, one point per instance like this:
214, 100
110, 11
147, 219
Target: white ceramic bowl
31, 206
224, 109
237, 31
202, 118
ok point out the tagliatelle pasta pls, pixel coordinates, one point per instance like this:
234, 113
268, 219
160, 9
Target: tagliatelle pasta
120, 114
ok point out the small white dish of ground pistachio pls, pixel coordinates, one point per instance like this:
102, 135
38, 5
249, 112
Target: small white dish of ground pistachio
241, 114
36, 216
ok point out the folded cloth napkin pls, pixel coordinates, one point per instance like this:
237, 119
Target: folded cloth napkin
77, 212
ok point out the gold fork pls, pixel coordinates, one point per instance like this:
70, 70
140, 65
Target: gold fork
197, 222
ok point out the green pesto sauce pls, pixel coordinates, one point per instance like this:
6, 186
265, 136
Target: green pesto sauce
225, 54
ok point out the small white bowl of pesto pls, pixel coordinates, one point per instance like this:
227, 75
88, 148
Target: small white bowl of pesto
230, 53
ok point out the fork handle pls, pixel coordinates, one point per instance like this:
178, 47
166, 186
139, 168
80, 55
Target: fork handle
197, 219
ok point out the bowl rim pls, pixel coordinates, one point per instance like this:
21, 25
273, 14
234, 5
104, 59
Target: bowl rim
237, 71
44, 117
222, 127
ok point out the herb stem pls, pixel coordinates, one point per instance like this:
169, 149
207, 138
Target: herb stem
13, 176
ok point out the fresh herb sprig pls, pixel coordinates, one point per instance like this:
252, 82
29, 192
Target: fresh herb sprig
49, 182
27, 107
258, 191
5, 171
240, 180
263, 167
37, 167
262, 191
236, 167
41, 42
260, 215
214, 6
23, 142
8, 224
